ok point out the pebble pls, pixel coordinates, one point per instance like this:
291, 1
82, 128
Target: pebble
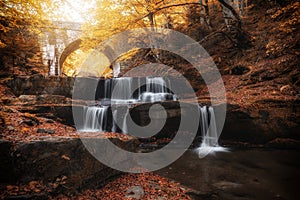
49, 131
135, 192
10, 128
28, 122
50, 121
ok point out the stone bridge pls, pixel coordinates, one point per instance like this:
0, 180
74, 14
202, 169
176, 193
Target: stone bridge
58, 42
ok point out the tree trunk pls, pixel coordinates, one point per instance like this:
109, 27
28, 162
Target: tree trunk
242, 7
204, 13
56, 60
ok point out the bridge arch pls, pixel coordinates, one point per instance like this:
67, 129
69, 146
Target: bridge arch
73, 46
76, 44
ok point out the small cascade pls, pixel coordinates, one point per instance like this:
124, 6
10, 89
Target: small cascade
95, 118
107, 89
99, 119
156, 90
118, 91
155, 97
211, 137
156, 85
122, 88
209, 133
204, 120
150, 89
116, 69
114, 124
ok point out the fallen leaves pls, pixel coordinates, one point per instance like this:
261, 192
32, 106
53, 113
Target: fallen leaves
17, 127
33, 187
128, 186
151, 186
65, 157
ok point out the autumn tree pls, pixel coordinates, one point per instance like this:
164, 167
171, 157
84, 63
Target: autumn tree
20, 23
114, 16
111, 17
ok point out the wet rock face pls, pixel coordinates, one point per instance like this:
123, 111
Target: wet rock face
263, 123
269, 120
6, 167
53, 158
179, 118
140, 115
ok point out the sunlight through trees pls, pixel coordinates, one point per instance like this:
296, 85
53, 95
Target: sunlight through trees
102, 19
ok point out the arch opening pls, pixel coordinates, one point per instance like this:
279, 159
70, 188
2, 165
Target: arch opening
76, 61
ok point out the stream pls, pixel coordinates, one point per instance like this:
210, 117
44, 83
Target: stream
239, 174
256, 173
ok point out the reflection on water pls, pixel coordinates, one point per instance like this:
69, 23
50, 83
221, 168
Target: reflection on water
240, 174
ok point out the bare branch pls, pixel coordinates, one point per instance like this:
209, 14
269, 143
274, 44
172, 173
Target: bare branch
165, 7
229, 7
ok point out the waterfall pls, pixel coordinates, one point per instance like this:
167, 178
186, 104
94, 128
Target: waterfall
116, 69
103, 118
114, 126
107, 89
156, 85
122, 88
156, 97
119, 91
204, 120
156, 90
209, 133
95, 118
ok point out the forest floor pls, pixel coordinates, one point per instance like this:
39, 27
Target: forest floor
127, 186
269, 67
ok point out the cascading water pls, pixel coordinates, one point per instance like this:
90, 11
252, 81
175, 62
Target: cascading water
156, 97
95, 118
156, 90
122, 88
156, 85
119, 91
150, 89
116, 69
209, 134
114, 126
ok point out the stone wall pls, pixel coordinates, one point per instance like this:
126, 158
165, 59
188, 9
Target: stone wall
62, 85
38, 85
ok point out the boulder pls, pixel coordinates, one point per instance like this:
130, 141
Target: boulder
52, 158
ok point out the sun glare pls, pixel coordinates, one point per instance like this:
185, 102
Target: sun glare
76, 10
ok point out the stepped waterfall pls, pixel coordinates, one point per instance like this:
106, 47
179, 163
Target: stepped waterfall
120, 91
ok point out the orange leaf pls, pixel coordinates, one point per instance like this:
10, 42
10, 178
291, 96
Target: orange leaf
65, 157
